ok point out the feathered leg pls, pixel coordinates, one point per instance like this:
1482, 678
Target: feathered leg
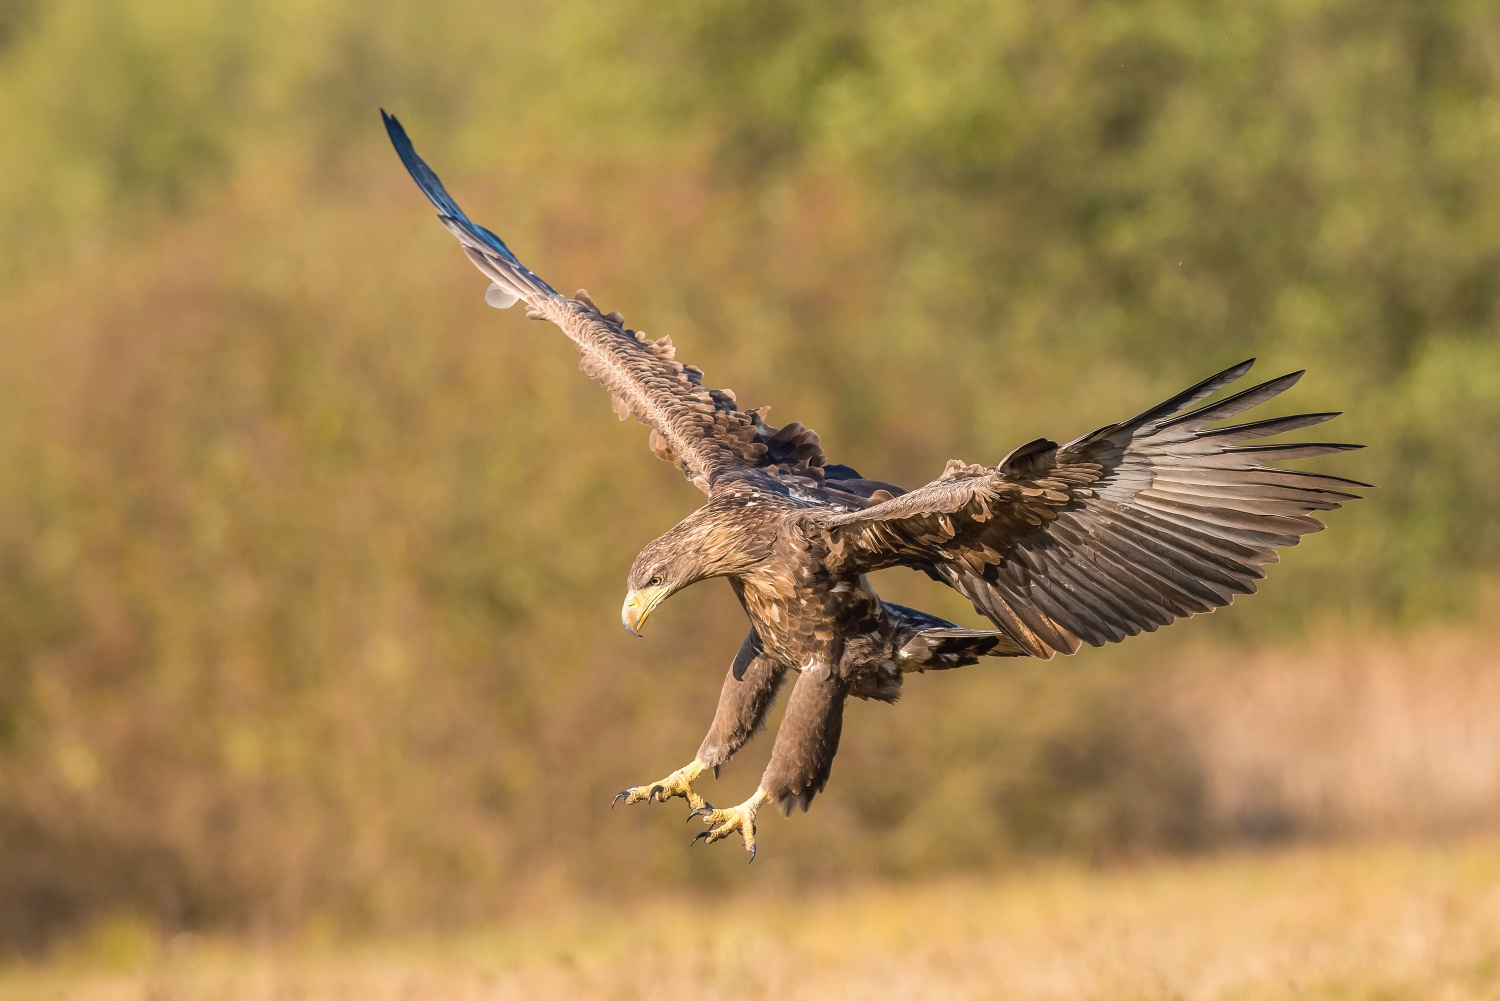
806, 741
800, 760
749, 690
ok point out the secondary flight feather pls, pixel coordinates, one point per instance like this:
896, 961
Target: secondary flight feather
1117, 532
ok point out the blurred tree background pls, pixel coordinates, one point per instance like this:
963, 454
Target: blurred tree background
310, 563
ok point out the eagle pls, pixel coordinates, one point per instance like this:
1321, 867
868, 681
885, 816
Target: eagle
1120, 531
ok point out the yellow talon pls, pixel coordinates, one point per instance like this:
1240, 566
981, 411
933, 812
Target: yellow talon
723, 823
679, 783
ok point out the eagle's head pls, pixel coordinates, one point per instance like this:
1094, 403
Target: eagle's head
710, 542
658, 573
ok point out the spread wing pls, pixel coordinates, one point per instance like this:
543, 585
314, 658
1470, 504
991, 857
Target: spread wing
701, 430
1120, 531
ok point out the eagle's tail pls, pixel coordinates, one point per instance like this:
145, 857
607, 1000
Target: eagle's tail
935, 644
955, 646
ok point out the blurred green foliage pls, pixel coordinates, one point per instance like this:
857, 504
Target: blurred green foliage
309, 563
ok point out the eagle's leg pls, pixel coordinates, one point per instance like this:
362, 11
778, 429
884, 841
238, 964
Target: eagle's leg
749, 689
807, 740
800, 760
748, 693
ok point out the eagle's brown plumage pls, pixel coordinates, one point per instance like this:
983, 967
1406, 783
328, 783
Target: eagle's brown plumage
1122, 530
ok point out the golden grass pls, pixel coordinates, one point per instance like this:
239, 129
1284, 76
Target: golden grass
1373, 922
1368, 734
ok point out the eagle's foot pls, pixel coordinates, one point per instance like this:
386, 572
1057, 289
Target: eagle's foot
679, 783
723, 823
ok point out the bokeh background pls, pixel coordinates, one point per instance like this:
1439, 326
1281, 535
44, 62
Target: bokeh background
310, 563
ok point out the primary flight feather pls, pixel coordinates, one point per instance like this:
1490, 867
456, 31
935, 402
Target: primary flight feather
1120, 531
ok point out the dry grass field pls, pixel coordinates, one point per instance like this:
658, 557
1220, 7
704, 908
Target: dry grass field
1389, 922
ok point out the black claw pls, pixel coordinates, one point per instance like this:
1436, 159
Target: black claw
651, 796
618, 796
752, 854
701, 811
700, 837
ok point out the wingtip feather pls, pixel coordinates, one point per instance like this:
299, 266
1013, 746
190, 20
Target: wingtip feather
1188, 397
448, 211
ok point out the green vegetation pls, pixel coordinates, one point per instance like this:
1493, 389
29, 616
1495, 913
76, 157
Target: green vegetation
310, 563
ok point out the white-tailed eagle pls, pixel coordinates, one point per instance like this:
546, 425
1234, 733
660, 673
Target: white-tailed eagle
1120, 531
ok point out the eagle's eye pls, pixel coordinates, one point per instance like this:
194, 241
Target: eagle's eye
655, 580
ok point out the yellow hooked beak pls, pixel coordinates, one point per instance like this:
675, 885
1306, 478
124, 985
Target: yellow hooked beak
638, 605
